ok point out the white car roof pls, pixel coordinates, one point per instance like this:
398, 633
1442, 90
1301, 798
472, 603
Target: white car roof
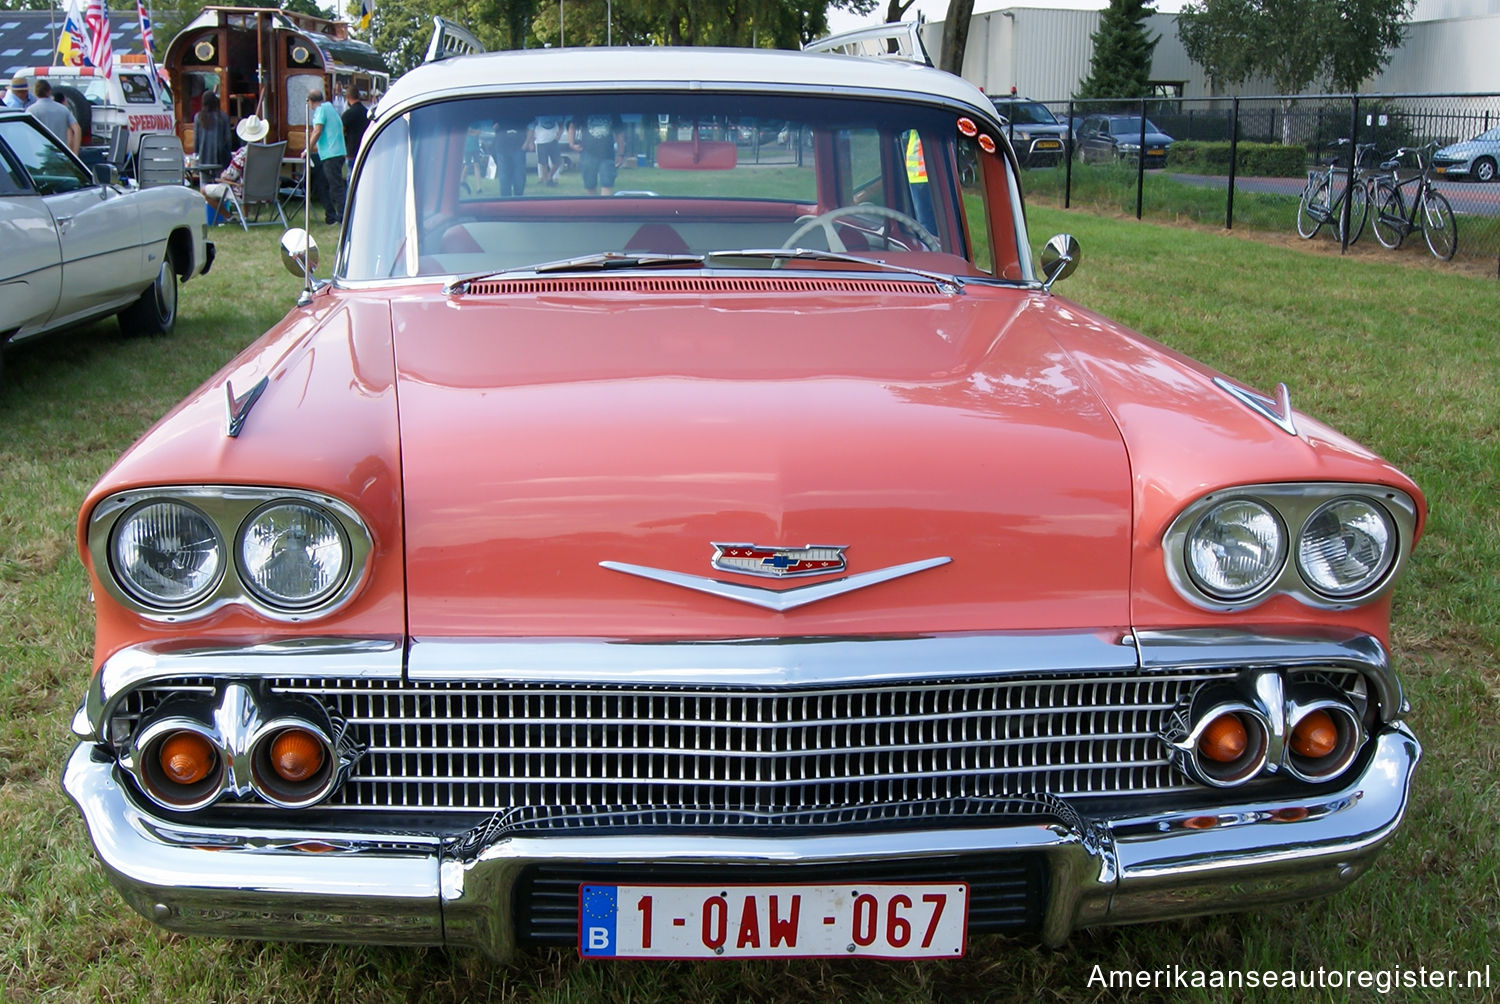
675, 68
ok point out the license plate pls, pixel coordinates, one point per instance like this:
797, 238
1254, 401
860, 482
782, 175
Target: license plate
1048, 144
874, 920
1440, 170
1156, 151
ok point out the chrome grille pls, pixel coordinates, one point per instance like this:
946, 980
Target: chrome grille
479, 747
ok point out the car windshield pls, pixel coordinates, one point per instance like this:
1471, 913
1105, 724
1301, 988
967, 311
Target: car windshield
1130, 127
465, 187
1026, 112
1490, 136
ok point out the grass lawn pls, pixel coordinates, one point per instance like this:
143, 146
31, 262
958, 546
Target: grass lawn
1403, 358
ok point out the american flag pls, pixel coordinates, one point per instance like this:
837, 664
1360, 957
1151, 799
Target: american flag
101, 52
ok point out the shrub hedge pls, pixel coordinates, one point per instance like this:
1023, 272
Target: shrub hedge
1265, 160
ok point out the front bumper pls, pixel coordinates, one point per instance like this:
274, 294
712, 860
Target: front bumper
360, 887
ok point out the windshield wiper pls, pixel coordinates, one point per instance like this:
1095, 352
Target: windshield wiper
606, 260
947, 283
600, 262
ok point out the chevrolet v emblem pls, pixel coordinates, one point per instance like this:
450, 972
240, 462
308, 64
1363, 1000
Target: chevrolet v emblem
779, 562
779, 600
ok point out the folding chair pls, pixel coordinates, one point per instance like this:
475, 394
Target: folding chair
260, 185
159, 161
119, 149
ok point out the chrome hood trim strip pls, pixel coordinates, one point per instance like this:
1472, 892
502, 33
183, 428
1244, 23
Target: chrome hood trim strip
779, 600
764, 662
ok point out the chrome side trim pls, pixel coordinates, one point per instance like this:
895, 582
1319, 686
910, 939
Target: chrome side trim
313, 658
772, 599
764, 662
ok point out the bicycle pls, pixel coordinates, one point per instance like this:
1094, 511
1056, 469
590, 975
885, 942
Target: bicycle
1429, 208
1319, 204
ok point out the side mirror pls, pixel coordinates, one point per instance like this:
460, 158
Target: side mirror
106, 174
1060, 257
299, 253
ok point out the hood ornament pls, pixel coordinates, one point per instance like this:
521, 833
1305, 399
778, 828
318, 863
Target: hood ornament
779, 562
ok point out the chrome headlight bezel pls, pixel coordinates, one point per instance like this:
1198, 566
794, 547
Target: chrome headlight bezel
1279, 548
1295, 505
229, 508
134, 586
263, 593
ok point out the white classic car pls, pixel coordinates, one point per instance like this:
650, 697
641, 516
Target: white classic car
78, 247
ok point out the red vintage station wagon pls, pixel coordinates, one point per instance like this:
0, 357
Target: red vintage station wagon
725, 543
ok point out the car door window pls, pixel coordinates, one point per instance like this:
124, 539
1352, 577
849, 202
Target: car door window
11, 180
50, 167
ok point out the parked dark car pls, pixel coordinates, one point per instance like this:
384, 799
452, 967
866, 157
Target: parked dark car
1040, 139
1106, 138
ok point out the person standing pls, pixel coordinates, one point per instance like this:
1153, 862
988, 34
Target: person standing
600, 143
55, 116
512, 140
18, 94
356, 118
328, 140
211, 136
546, 136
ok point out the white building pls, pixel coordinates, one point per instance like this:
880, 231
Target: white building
1452, 46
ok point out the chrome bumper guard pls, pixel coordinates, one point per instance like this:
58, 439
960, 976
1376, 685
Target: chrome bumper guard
359, 887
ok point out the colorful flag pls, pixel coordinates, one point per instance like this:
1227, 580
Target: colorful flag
101, 53
72, 46
147, 39
366, 10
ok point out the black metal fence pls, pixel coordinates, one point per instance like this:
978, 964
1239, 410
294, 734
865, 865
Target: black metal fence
1244, 162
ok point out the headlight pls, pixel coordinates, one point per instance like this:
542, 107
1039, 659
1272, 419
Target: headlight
1235, 549
1130, 147
292, 554
167, 554
1346, 547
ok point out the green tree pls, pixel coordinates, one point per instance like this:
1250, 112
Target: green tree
1121, 64
956, 35
767, 24
1292, 43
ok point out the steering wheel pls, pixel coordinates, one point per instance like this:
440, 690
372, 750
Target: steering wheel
826, 221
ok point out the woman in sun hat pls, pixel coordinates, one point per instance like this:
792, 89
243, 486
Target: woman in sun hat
251, 129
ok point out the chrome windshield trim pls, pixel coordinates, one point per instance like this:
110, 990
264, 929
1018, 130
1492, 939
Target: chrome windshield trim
313, 658
765, 662
779, 600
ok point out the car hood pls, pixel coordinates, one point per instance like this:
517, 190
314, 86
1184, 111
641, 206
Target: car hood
1466, 149
549, 427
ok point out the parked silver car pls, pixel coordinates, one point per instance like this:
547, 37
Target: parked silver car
78, 247
1473, 158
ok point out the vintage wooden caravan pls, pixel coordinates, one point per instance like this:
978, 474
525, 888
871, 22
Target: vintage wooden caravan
265, 61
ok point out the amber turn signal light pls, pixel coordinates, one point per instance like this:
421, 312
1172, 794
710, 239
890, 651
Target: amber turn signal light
1224, 740
186, 757
1315, 735
296, 755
